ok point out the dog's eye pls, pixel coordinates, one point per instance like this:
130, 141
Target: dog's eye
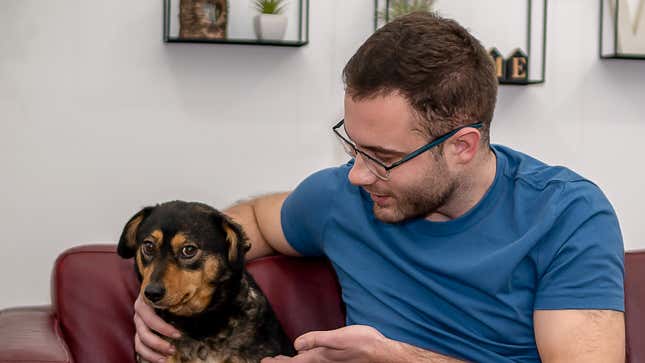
188, 251
148, 248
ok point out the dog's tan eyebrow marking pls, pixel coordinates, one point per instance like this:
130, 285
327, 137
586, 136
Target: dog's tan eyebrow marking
157, 236
178, 241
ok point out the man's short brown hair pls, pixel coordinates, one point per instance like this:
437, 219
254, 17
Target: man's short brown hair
437, 65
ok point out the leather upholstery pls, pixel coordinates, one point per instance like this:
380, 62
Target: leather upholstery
93, 290
635, 306
31, 332
304, 293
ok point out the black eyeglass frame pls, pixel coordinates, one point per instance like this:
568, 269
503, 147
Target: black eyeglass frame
409, 156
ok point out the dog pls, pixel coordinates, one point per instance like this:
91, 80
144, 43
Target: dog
189, 258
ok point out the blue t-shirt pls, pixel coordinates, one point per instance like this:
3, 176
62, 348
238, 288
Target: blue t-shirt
542, 237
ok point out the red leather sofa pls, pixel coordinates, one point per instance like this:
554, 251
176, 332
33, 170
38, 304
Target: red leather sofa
93, 290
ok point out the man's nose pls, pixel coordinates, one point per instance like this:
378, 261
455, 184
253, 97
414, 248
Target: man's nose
359, 174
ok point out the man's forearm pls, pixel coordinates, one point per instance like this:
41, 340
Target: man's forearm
403, 352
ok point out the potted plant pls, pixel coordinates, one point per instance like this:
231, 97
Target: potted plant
270, 24
399, 8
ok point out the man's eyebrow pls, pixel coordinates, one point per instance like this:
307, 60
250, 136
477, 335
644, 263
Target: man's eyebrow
382, 150
375, 149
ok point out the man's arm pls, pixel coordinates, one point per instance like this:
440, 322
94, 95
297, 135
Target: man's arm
260, 219
357, 344
566, 336
580, 335
410, 353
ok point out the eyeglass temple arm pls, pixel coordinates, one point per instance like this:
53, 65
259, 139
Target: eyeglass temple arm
436, 142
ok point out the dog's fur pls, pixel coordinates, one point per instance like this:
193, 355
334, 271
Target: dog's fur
190, 260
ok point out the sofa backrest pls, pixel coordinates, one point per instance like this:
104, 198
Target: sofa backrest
93, 292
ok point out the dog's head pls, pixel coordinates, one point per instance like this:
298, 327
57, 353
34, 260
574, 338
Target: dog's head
184, 253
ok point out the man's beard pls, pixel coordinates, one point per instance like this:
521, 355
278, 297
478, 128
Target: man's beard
419, 202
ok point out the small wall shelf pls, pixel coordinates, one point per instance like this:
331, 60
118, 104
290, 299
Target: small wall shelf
516, 32
235, 26
622, 29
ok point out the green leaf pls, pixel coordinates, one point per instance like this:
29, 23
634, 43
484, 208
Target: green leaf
270, 6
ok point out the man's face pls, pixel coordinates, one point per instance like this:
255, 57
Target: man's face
385, 127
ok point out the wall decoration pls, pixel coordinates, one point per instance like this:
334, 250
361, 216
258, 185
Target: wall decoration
203, 19
236, 22
515, 28
270, 23
517, 67
513, 69
622, 29
500, 63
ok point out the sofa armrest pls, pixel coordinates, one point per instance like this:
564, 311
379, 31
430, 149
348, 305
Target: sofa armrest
31, 334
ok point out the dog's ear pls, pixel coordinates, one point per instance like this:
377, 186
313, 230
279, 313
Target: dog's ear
128, 242
238, 243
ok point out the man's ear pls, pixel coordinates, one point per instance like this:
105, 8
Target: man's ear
238, 243
465, 144
128, 242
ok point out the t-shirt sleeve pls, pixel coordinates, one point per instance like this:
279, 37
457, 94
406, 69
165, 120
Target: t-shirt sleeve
583, 268
307, 209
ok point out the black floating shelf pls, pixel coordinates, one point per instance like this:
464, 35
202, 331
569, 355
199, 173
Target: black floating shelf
521, 83
296, 37
282, 43
624, 56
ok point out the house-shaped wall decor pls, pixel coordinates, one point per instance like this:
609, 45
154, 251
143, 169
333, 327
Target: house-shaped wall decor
500, 63
517, 67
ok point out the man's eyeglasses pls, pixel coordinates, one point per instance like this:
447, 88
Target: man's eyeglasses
379, 168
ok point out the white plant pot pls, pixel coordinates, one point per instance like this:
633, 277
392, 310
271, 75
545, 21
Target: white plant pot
270, 26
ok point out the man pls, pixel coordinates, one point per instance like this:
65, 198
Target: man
449, 250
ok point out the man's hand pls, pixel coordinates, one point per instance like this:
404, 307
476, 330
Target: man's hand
355, 344
149, 345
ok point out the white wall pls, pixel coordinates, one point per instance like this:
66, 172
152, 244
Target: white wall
98, 118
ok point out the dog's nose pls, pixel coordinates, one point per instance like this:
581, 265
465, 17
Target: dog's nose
154, 292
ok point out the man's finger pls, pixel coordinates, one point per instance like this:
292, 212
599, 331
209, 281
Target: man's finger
279, 358
145, 352
149, 340
152, 321
315, 339
315, 355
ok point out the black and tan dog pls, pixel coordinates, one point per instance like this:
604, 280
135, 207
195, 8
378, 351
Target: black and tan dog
190, 260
